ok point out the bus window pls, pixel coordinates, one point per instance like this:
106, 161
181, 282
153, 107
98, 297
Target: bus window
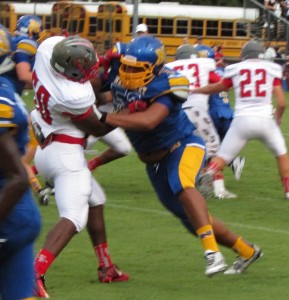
117, 25
108, 25
100, 24
197, 27
140, 20
167, 26
152, 24
227, 29
47, 22
240, 30
80, 26
92, 28
182, 26
212, 28
72, 27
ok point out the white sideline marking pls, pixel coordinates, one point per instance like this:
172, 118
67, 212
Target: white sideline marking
165, 213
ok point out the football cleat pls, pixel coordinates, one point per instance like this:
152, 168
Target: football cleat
43, 196
237, 166
39, 287
226, 195
241, 264
215, 263
111, 274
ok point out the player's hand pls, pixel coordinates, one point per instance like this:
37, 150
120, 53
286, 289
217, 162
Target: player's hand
137, 105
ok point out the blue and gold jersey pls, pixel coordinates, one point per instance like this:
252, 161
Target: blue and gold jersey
13, 115
168, 88
219, 103
24, 50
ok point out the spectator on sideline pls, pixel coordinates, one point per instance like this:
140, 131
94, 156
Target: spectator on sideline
270, 6
161, 134
270, 53
199, 41
141, 29
63, 68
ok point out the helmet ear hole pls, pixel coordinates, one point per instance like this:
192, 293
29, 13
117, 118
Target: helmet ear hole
75, 58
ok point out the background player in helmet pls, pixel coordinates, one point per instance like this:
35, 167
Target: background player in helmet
163, 138
28, 33
255, 82
197, 63
63, 116
19, 217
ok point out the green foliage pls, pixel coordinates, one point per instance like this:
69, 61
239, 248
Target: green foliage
164, 261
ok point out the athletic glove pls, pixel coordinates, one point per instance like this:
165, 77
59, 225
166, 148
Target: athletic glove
137, 105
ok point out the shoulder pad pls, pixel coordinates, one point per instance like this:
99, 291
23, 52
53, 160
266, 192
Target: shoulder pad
179, 86
27, 46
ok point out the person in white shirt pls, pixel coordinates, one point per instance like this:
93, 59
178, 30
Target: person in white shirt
255, 82
63, 116
141, 29
270, 53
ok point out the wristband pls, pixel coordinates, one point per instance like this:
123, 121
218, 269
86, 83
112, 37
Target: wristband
103, 117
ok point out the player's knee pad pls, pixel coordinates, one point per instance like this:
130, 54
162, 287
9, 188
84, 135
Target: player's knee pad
118, 141
79, 220
124, 147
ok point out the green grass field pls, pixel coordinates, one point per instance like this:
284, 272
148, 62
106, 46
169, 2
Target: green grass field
164, 261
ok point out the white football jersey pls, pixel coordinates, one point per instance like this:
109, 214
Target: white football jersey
197, 70
57, 99
253, 82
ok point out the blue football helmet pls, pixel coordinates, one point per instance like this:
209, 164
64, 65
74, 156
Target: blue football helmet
30, 26
205, 51
6, 62
5, 41
143, 59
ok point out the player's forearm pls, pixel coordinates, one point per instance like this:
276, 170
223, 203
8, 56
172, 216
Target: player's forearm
209, 89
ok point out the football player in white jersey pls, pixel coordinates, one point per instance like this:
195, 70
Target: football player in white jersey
255, 82
198, 65
64, 115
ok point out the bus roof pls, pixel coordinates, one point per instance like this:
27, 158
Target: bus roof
32, 8
174, 10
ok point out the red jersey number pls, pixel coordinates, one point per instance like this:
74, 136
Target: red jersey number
194, 73
41, 99
253, 84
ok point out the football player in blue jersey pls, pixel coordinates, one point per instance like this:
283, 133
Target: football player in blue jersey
29, 31
148, 98
19, 217
28, 34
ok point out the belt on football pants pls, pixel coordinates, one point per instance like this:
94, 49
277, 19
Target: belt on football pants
63, 138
